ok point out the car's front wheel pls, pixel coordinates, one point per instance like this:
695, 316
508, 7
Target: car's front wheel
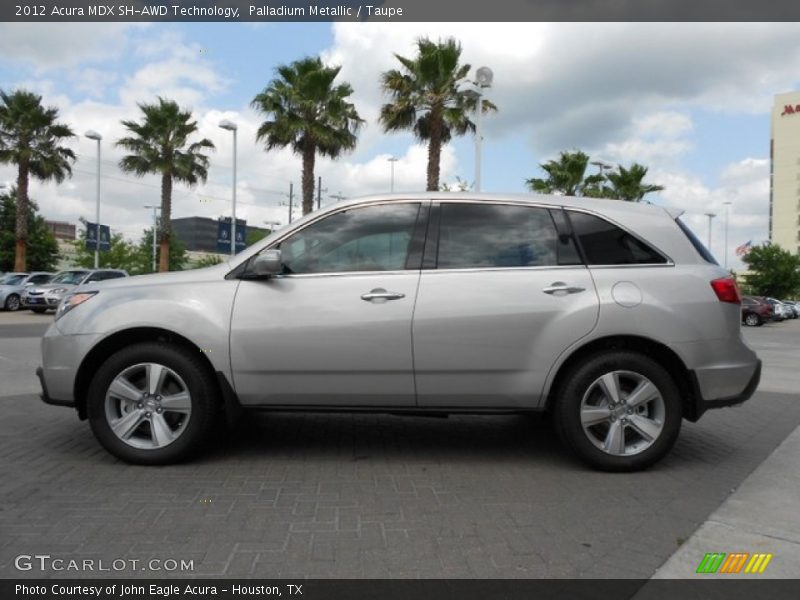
619, 411
12, 302
153, 403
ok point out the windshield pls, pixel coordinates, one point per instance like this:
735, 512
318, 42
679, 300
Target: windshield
12, 279
69, 277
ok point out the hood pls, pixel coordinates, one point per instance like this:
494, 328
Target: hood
43, 287
212, 273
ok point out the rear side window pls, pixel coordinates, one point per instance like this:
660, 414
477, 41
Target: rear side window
606, 244
698, 245
496, 235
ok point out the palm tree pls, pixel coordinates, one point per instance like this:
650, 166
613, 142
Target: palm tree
308, 112
30, 138
567, 176
425, 97
628, 184
160, 144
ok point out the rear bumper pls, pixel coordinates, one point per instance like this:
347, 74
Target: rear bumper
701, 404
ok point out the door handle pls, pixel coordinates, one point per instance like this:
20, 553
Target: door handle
381, 294
561, 288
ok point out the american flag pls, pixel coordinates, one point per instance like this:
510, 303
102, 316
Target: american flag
744, 248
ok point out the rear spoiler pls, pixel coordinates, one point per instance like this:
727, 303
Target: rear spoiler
674, 212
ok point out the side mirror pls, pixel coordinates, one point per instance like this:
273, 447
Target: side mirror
268, 263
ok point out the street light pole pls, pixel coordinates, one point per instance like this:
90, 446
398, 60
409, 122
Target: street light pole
155, 227
93, 135
231, 126
483, 79
710, 218
727, 216
392, 160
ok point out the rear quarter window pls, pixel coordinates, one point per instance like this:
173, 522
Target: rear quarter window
604, 243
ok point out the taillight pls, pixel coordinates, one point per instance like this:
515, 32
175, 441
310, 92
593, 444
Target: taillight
727, 290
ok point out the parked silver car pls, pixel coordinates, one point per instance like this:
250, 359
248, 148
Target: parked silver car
45, 297
611, 315
13, 285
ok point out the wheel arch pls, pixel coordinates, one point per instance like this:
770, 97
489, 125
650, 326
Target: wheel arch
675, 366
127, 337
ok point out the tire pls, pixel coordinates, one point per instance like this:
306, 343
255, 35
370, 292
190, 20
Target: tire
584, 421
39, 311
12, 303
752, 320
165, 427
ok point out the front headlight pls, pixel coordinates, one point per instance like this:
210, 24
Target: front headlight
58, 290
71, 301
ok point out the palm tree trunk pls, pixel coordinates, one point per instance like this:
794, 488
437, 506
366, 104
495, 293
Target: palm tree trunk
434, 150
309, 156
165, 222
21, 229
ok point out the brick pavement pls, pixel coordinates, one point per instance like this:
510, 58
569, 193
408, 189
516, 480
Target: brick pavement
370, 496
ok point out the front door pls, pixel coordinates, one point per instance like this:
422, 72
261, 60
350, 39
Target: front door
335, 328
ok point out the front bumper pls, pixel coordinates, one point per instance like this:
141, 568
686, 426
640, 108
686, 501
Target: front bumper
45, 396
45, 301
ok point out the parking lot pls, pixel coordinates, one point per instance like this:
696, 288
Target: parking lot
290, 495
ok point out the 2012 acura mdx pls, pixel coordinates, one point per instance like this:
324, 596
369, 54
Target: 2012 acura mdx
610, 315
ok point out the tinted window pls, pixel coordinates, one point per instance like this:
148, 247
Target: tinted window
39, 279
12, 279
606, 244
698, 245
496, 235
372, 238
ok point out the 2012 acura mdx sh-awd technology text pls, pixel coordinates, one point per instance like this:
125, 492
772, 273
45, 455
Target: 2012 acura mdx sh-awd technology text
610, 315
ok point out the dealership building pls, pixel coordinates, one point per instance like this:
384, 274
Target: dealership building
784, 193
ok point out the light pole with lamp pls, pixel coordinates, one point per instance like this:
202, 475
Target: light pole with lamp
93, 135
710, 218
392, 160
727, 216
155, 228
231, 126
483, 79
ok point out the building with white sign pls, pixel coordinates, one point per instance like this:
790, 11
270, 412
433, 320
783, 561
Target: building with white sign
784, 193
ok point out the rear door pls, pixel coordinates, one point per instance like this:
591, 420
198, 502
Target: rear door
502, 294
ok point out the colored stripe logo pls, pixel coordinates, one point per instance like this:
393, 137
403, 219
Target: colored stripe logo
734, 563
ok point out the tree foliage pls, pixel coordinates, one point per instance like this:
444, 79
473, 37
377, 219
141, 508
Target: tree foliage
773, 271
31, 138
306, 111
159, 144
428, 97
134, 257
42, 252
567, 176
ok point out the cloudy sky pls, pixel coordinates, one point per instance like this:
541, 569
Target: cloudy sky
689, 100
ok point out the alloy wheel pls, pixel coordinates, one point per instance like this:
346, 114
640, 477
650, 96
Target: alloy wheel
148, 406
622, 413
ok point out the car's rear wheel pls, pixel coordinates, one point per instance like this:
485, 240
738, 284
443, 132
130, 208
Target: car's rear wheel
152, 403
619, 411
12, 302
752, 320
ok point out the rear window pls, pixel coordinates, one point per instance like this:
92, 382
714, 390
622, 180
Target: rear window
698, 245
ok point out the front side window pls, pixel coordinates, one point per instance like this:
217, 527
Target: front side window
370, 238
606, 244
496, 235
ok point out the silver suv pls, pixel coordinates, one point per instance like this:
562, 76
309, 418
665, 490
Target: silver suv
609, 315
